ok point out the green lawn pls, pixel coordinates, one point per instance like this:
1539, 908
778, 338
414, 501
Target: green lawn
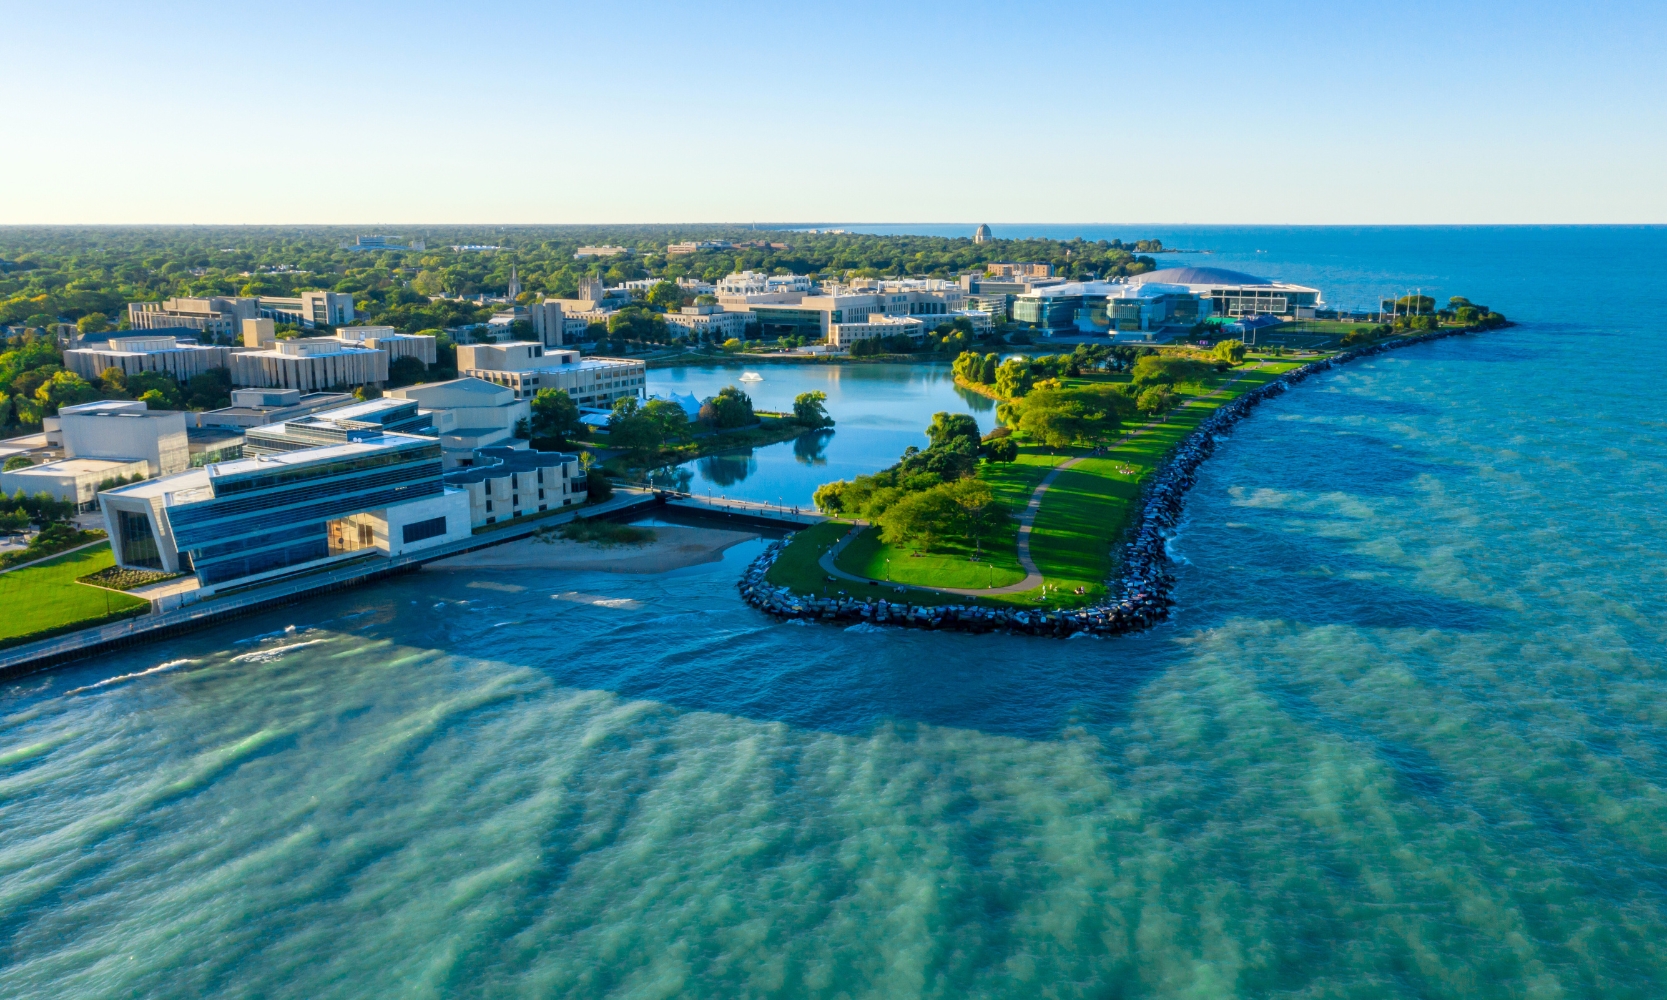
45, 599
945, 566
796, 567
1079, 525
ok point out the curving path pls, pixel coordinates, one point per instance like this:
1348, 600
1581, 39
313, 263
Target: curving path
1033, 575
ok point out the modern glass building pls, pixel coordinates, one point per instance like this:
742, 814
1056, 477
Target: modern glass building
260, 517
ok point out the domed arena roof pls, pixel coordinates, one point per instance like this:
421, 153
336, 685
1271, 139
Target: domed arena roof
1198, 276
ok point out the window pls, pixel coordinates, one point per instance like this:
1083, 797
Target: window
489, 506
541, 475
416, 531
514, 482
541, 494
515, 501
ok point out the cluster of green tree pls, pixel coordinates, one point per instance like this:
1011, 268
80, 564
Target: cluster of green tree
1372, 334
64, 274
1059, 416
928, 494
204, 391
41, 509
1017, 375
1462, 310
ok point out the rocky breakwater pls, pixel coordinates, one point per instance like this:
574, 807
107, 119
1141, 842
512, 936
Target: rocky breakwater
1144, 580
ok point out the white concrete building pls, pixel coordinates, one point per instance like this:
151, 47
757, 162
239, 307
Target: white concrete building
526, 368
477, 414
397, 345
712, 322
507, 483
843, 335
756, 283
310, 364
109, 439
259, 407
310, 309
140, 353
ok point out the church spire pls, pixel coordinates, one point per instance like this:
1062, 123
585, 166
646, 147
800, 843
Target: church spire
514, 284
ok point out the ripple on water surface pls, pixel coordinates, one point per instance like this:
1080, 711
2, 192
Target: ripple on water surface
1402, 739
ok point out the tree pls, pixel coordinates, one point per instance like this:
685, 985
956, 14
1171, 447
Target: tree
17, 462
729, 408
809, 411
669, 417
64, 389
555, 418
1169, 369
92, 323
666, 295
1053, 420
977, 508
946, 427
1003, 449
406, 371
209, 390
987, 372
636, 432
919, 517
1231, 351
1013, 378
1155, 400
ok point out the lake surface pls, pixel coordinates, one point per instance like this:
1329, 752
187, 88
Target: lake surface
879, 410
1403, 738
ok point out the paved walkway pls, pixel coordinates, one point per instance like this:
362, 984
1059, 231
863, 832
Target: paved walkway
1027, 519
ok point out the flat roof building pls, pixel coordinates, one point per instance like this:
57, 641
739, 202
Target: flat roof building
377, 494
146, 353
526, 368
337, 425
478, 414
506, 483
258, 407
310, 364
423, 347
102, 441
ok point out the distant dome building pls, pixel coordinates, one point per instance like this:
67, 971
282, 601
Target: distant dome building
1234, 293
982, 234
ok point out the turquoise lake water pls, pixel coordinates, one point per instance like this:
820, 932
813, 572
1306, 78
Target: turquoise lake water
1406, 735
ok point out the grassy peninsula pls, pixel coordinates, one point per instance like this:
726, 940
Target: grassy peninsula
1097, 432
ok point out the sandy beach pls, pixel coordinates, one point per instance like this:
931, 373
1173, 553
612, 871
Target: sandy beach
672, 548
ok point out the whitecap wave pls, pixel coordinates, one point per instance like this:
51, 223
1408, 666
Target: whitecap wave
124, 678
263, 655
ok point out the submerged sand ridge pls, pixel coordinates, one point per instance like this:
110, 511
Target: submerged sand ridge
673, 547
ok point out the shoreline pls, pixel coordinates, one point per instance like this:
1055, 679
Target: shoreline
673, 547
1143, 577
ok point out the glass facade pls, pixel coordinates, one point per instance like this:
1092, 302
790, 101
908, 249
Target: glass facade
266, 519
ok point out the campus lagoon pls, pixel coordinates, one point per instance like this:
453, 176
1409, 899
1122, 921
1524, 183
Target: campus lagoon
1405, 736
879, 409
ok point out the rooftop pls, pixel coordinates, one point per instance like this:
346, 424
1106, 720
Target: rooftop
1198, 276
74, 467
508, 460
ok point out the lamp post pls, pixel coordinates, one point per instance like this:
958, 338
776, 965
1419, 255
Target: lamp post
888, 570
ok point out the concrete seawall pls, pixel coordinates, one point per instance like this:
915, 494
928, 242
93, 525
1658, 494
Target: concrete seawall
1143, 583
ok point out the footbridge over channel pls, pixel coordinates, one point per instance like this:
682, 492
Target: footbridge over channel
751, 511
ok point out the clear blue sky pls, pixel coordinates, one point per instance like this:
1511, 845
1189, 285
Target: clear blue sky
951, 112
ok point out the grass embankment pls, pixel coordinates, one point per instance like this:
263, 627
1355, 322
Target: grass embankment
1081, 518
45, 600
